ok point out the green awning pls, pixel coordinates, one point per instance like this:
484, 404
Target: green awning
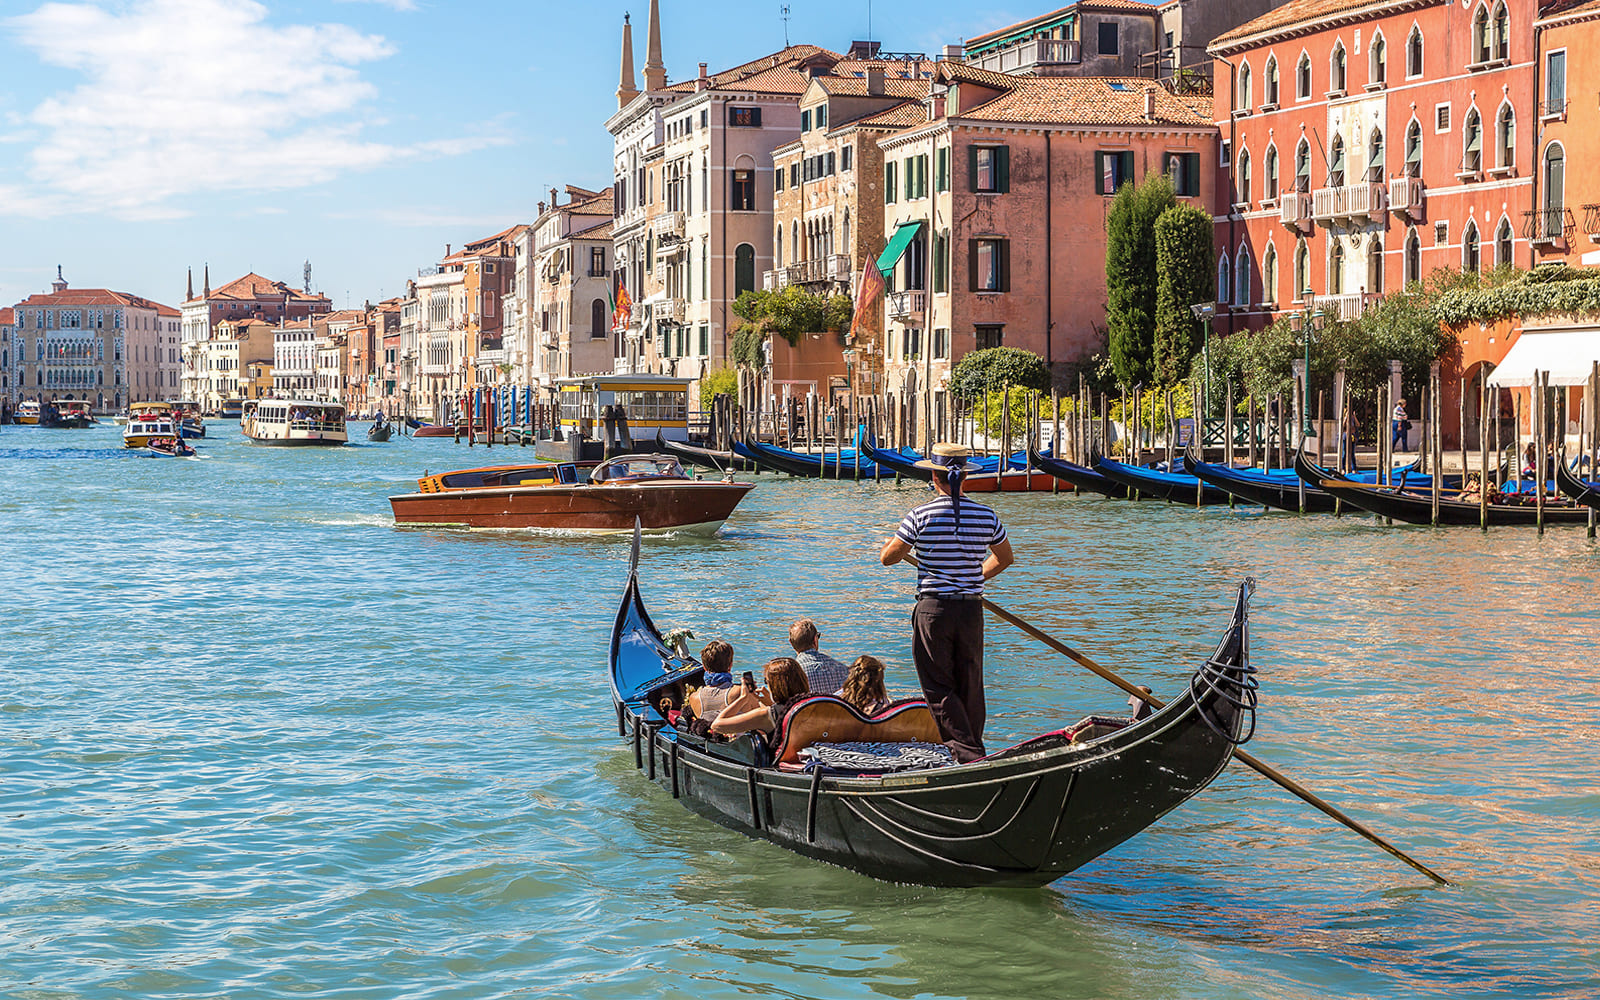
903, 235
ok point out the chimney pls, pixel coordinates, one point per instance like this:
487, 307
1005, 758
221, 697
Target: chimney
626, 91
702, 82
1150, 103
955, 53
541, 208
553, 197
875, 81
447, 249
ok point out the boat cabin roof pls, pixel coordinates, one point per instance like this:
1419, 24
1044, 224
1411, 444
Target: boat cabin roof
149, 405
637, 467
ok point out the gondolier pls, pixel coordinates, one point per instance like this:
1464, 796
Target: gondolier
959, 543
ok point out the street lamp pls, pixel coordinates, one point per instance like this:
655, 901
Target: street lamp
1304, 324
1205, 312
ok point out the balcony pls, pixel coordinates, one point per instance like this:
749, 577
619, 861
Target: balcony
1406, 195
1547, 227
1346, 306
1044, 56
668, 311
769, 280
1352, 204
1294, 211
907, 306
668, 226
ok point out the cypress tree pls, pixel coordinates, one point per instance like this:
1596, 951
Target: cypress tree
1131, 276
1184, 276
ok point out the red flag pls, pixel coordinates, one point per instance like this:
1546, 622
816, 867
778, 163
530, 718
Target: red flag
868, 288
622, 309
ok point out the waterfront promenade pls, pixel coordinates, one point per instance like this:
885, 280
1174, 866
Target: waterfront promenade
261, 743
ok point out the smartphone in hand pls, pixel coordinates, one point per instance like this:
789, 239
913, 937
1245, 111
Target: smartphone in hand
749, 681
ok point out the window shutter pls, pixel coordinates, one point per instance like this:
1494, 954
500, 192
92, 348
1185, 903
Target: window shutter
922, 176
805, 121
972, 168
911, 177
1005, 265
972, 265
755, 117
1002, 168
888, 184
1125, 173
1100, 174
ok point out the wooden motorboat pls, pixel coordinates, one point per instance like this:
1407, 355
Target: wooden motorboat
1012, 480
604, 497
438, 431
380, 431
1567, 482
1021, 817
296, 422
74, 414
1416, 507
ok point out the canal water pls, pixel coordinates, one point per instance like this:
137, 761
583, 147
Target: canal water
255, 741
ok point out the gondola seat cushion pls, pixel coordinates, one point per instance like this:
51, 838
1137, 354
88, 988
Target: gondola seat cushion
827, 719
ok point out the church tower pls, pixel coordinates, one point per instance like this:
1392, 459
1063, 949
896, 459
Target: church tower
626, 90
655, 71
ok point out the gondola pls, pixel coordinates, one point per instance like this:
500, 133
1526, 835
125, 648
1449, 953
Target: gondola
704, 458
1568, 482
1161, 485
1079, 477
1024, 816
834, 464
1416, 507
380, 431
413, 423
1255, 487
1013, 480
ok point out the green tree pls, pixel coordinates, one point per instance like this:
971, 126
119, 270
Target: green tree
979, 372
1131, 276
722, 382
1185, 275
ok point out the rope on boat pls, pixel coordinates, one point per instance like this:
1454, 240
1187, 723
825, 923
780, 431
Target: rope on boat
1234, 683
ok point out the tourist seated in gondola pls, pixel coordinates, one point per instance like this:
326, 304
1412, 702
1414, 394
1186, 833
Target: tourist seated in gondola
1471, 490
863, 688
762, 709
708, 701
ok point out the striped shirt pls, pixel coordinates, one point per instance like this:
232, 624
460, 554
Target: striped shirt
951, 561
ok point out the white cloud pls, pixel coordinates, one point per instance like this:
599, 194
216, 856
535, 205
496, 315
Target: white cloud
184, 97
394, 4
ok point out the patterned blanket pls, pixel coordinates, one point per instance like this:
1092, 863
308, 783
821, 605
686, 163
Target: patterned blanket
876, 757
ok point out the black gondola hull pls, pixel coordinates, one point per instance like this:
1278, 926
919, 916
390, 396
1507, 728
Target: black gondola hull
1417, 508
831, 466
1083, 478
1568, 483
1160, 485
704, 458
1252, 489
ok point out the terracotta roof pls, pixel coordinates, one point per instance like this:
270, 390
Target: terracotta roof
960, 72
86, 297
599, 231
1576, 9
1133, 6
509, 233
783, 58
784, 72
7, 317
1311, 15
602, 202
856, 86
907, 114
1068, 100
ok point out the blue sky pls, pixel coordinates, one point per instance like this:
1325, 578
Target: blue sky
139, 138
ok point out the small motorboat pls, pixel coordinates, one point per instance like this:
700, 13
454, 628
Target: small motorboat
148, 421
169, 447
604, 497
67, 413
380, 431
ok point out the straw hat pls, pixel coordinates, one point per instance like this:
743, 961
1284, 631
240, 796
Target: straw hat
946, 457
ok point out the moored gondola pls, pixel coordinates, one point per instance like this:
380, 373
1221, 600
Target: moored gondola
1079, 477
1584, 493
834, 464
1156, 483
1415, 507
1012, 480
701, 457
1256, 487
1021, 817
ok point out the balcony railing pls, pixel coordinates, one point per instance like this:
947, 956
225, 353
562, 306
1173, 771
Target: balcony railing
1406, 196
1346, 306
1351, 201
1294, 210
670, 311
1546, 225
772, 281
907, 305
1591, 219
1035, 52
668, 224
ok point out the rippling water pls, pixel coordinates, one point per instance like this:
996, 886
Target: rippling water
258, 742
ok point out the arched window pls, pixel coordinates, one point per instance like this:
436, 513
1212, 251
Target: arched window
1414, 52
1224, 280
794, 241
1270, 82
1502, 243
1241, 277
1269, 275
1269, 179
777, 248
1505, 136
1374, 264
1414, 149
597, 319
1480, 35
1336, 162
1375, 157
1336, 67
1472, 143
1471, 257
1244, 88
1302, 271
744, 269
1302, 167
1241, 172
1377, 59
1335, 266
1502, 32
1302, 77
1552, 219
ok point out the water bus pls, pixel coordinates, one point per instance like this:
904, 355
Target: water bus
28, 412
293, 422
146, 422
70, 413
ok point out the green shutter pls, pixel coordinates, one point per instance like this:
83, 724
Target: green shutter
972, 265
1004, 276
911, 177
972, 168
1002, 168
941, 262
1126, 173
888, 183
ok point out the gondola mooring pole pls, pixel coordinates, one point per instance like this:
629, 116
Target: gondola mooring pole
1248, 759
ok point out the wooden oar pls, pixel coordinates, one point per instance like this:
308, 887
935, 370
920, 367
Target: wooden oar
1260, 766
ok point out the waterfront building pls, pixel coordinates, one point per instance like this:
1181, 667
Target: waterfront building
234, 348
488, 270
249, 297
441, 372
828, 210
294, 359
569, 287
407, 367
10, 348
90, 343
995, 208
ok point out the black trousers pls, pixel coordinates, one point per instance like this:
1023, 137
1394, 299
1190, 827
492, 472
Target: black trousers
947, 647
